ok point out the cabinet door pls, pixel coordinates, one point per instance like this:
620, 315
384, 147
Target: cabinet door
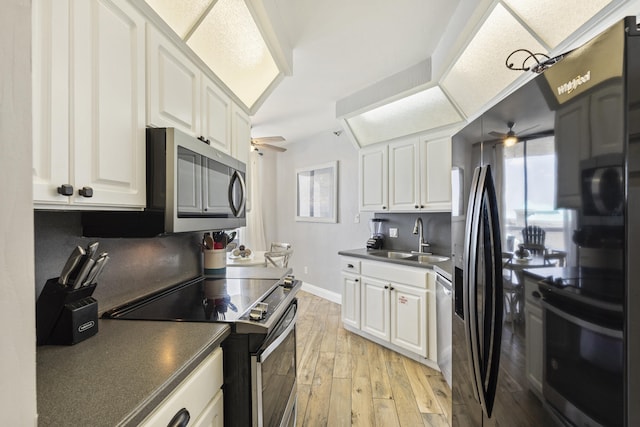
607, 120
351, 300
534, 332
374, 307
374, 171
404, 176
216, 116
213, 414
241, 134
108, 102
50, 100
572, 145
189, 182
409, 318
435, 184
174, 85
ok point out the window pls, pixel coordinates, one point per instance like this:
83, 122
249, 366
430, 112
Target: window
317, 190
530, 191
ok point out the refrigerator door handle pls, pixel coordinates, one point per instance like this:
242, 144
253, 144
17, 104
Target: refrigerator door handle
470, 310
483, 345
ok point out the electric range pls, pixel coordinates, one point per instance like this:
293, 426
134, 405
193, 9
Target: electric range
248, 305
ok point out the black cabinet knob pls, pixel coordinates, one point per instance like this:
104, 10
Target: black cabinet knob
180, 419
86, 192
66, 190
356, 280
386, 287
205, 140
349, 265
384, 207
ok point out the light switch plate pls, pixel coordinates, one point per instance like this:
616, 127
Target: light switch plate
393, 232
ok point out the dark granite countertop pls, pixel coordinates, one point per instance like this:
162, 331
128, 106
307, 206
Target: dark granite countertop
120, 375
366, 254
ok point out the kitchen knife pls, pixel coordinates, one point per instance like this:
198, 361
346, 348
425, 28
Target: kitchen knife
103, 261
83, 272
92, 249
72, 263
95, 269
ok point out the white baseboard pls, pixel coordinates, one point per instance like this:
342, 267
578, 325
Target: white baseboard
322, 293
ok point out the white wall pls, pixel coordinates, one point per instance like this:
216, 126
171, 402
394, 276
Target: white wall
17, 308
315, 245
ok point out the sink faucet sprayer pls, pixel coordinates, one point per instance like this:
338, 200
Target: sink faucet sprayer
417, 229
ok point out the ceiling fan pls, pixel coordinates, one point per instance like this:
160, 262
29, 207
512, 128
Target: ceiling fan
265, 142
511, 138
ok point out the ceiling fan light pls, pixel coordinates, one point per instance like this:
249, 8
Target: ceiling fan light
510, 141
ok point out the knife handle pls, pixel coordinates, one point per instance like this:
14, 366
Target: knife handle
82, 274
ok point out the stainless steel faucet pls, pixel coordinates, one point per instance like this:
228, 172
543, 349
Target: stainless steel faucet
418, 229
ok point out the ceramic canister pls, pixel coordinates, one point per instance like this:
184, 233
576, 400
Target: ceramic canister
215, 262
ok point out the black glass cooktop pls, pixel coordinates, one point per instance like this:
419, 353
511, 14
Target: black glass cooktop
597, 287
204, 300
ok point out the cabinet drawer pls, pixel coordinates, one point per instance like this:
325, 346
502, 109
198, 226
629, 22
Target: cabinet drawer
531, 292
193, 394
350, 265
418, 277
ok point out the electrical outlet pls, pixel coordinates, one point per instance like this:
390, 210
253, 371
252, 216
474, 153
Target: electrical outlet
393, 232
306, 270
356, 219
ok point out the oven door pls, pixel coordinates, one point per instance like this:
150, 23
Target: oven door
583, 364
273, 375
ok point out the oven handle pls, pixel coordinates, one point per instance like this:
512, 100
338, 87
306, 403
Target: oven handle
273, 343
613, 333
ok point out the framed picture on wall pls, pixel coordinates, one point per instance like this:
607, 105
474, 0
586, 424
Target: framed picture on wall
317, 193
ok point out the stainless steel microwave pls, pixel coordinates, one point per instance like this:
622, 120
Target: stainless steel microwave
191, 186
196, 186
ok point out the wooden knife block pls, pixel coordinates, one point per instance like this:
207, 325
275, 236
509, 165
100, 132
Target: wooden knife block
65, 316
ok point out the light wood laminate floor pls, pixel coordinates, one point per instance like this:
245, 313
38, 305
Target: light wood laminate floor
344, 379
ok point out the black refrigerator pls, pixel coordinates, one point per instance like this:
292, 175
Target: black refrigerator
546, 246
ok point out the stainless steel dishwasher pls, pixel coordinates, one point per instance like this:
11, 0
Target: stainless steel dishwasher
443, 310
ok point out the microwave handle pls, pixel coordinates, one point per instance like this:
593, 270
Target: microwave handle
236, 210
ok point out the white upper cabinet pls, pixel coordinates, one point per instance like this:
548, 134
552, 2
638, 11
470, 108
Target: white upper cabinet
435, 175
174, 85
241, 134
404, 175
181, 95
89, 92
216, 116
374, 177
408, 175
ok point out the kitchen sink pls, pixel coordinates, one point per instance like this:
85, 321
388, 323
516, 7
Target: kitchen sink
429, 259
397, 255
411, 256
392, 254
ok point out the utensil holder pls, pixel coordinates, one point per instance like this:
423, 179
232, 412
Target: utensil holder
65, 316
215, 262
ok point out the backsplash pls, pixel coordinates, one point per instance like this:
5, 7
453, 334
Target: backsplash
137, 266
436, 231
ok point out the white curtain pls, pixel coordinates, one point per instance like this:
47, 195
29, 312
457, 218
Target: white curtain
255, 237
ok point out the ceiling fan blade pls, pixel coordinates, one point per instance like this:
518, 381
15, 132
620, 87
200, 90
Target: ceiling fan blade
269, 147
270, 139
498, 134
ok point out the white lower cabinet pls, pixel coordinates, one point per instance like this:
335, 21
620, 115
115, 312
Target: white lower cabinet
375, 310
408, 318
351, 299
534, 333
199, 396
396, 305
